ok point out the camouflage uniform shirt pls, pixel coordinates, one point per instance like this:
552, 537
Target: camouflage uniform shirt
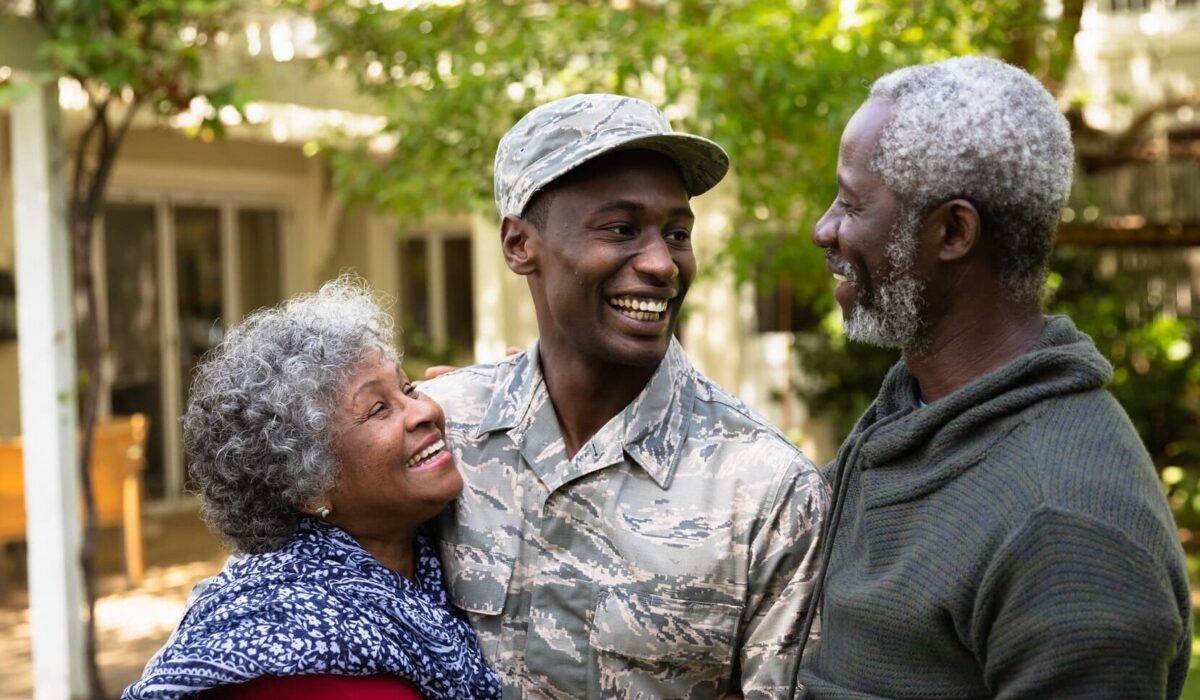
671, 557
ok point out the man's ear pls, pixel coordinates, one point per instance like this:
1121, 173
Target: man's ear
519, 240
956, 229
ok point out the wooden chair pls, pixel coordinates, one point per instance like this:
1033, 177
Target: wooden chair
118, 460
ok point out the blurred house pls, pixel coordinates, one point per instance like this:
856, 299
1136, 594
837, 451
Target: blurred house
1133, 99
197, 233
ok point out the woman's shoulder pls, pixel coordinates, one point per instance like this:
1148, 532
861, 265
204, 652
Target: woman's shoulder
325, 686
316, 554
307, 588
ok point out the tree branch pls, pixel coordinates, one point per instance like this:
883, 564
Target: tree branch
105, 156
1099, 150
80, 176
42, 13
108, 156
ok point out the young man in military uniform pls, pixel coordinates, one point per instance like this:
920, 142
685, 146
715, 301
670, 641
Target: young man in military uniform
627, 529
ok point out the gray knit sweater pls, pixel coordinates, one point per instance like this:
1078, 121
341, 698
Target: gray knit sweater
1008, 540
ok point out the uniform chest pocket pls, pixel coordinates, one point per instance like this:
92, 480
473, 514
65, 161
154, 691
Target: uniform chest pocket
476, 579
668, 630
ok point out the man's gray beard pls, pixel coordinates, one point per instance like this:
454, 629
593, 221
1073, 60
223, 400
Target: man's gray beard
891, 317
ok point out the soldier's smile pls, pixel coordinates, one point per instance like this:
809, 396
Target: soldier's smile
615, 260
640, 308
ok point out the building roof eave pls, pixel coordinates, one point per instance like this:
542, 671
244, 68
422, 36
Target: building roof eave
20, 38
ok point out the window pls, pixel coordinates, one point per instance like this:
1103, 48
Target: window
436, 295
1113, 7
414, 292
172, 276
778, 309
460, 308
259, 256
132, 290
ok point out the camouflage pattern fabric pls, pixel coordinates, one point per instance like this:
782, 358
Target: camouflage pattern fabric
561, 135
671, 558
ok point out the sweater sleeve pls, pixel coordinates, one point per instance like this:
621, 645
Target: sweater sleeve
1072, 607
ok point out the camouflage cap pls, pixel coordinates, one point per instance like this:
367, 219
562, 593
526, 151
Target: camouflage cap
561, 135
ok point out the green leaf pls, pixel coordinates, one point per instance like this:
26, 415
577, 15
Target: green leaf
13, 92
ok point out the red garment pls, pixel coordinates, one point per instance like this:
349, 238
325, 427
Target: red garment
323, 687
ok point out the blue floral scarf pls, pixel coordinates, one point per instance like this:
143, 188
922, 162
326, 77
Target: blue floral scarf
322, 604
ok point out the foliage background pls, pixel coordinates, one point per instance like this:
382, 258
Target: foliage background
773, 82
125, 56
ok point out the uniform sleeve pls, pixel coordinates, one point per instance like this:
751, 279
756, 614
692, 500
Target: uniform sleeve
783, 562
1072, 607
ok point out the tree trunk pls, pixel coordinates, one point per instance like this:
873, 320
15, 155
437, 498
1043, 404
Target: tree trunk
82, 227
89, 184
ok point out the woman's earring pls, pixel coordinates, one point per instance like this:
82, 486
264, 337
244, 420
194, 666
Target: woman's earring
323, 512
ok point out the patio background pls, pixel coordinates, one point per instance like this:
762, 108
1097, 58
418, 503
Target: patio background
289, 140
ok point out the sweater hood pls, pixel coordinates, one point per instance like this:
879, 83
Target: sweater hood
951, 433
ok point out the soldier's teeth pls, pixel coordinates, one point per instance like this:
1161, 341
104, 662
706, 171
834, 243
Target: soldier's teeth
644, 315
640, 304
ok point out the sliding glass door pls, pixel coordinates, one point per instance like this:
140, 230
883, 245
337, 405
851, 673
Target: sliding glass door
174, 274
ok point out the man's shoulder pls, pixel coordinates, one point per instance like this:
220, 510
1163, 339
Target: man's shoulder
718, 415
467, 386
1086, 429
1085, 457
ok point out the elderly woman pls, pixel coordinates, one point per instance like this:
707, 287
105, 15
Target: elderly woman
318, 460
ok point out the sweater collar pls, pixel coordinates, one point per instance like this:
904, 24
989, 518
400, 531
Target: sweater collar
1062, 361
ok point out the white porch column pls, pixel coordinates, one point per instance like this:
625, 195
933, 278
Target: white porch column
46, 354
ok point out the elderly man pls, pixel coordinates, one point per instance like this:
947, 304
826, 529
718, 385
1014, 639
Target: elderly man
1002, 532
627, 529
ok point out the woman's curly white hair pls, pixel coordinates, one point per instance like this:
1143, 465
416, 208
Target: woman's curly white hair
982, 130
257, 427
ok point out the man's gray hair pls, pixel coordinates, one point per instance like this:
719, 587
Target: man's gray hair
257, 427
982, 130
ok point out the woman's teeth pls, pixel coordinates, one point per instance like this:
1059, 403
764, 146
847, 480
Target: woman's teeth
425, 454
640, 308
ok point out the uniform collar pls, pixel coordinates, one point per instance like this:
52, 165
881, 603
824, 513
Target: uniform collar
651, 430
510, 402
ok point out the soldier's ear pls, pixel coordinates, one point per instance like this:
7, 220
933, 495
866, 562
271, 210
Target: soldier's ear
519, 240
